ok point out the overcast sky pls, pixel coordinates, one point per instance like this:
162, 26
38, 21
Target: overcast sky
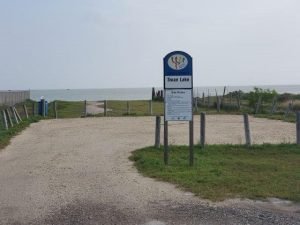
121, 43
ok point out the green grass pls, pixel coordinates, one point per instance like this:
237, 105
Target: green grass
66, 109
6, 135
137, 108
291, 117
227, 171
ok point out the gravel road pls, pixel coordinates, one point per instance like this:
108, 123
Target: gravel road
76, 171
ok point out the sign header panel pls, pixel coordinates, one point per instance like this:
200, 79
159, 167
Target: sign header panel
178, 82
178, 105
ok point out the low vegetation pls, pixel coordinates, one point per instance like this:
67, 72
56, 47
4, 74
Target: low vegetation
6, 135
228, 171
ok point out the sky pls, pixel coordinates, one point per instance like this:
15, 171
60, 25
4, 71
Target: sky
121, 43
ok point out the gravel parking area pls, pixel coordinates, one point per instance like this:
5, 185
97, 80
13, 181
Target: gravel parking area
76, 171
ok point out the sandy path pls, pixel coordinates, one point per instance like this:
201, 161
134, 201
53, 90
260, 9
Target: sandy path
76, 171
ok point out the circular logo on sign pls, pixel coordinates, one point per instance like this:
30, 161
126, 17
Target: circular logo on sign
177, 62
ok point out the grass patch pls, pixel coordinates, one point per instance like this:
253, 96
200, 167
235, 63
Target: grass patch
228, 171
66, 109
136, 108
6, 135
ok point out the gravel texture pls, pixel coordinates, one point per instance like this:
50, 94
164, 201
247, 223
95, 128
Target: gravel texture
76, 171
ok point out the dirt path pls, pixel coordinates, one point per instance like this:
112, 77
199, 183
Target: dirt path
76, 171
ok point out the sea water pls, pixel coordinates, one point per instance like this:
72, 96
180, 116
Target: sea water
142, 93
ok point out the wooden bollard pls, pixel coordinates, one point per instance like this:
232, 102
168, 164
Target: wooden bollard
25, 111
298, 127
9, 117
5, 120
166, 147
157, 132
247, 129
202, 129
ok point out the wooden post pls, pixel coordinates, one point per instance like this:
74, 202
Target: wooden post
9, 117
105, 107
191, 142
208, 100
202, 129
55, 109
15, 115
290, 106
274, 102
85, 109
25, 111
258, 105
203, 98
223, 97
33, 108
128, 108
218, 101
298, 127
166, 147
247, 129
238, 100
195, 104
157, 132
18, 115
5, 120
150, 107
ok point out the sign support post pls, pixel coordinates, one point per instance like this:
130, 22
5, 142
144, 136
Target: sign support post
178, 96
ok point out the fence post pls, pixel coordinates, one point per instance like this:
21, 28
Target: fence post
273, 109
157, 132
9, 117
247, 129
18, 115
105, 107
128, 108
202, 129
5, 120
258, 105
298, 127
33, 108
166, 150
191, 142
25, 111
55, 109
14, 114
85, 108
150, 107
238, 100
218, 103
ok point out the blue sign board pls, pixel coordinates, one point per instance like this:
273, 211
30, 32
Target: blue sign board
178, 85
178, 70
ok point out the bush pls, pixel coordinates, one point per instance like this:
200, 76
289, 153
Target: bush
267, 95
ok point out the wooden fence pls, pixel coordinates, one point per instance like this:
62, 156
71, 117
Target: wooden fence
10, 98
